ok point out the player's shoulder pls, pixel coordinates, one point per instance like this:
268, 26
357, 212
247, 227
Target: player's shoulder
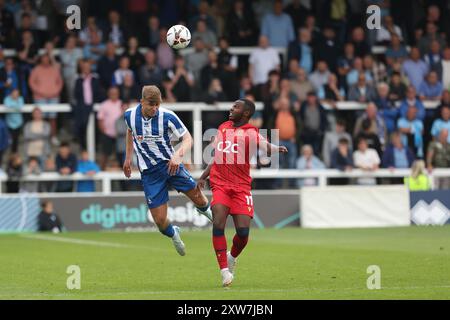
132, 108
226, 125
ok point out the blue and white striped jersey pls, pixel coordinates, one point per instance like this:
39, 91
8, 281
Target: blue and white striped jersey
152, 136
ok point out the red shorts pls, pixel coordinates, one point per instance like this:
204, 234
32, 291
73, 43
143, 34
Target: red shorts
238, 199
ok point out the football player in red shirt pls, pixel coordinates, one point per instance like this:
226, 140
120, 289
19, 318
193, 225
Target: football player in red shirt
236, 143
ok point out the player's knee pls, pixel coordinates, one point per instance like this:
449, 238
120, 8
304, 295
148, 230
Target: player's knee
242, 232
218, 232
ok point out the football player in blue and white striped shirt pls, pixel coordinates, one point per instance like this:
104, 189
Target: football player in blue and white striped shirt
150, 131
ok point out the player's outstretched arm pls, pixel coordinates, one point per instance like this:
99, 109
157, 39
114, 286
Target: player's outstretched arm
128, 154
270, 148
177, 157
201, 182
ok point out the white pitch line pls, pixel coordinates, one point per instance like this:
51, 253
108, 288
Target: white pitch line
293, 290
80, 241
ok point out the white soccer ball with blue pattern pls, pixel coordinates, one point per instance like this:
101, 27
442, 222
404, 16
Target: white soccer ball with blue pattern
178, 37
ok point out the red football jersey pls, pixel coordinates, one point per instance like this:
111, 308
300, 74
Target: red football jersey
234, 148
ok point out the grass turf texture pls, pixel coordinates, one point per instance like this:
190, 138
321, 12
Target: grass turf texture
277, 264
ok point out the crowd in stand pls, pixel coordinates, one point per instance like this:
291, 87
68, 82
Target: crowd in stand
329, 60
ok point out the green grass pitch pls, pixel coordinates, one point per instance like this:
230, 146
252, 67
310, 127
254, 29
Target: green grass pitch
289, 263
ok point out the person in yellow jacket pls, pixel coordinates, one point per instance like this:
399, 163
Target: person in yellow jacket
419, 180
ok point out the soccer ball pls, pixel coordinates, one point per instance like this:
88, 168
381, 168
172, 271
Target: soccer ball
178, 36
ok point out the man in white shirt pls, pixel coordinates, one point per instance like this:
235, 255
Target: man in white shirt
446, 69
262, 60
366, 159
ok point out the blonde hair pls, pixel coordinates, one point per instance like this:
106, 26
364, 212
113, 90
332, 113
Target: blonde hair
152, 95
417, 168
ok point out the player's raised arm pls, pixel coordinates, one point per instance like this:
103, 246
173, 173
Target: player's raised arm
268, 147
128, 154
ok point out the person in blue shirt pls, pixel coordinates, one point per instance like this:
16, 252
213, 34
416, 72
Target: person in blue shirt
301, 50
397, 155
387, 107
4, 139
431, 88
412, 131
9, 78
89, 168
278, 26
14, 120
442, 123
412, 100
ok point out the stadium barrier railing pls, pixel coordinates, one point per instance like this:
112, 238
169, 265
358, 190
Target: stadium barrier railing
107, 177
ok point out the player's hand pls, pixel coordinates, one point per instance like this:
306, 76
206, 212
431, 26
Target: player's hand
201, 183
127, 168
282, 149
174, 164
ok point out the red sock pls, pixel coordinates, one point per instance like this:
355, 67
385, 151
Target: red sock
220, 246
239, 244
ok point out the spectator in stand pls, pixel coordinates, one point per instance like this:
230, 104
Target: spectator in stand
377, 125
433, 57
298, 12
362, 91
442, 123
372, 139
14, 120
301, 50
435, 17
308, 161
196, 60
314, 122
430, 36
87, 93
32, 169
9, 78
215, 93
300, 86
358, 68
88, 168
210, 71
271, 88
341, 157
70, 56
327, 48
4, 139
285, 91
431, 88
438, 156
345, 63
245, 86
419, 180
228, 64
278, 26
36, 136
208, 37
46, 84
359, 42
412, 100
181, 80
110, 110
397, 88
107, 65
396, 52
311, 25
262, 60
26, 24
150, 36
376, 69
115, 32
135, 58
90, 33
285, 121
94, 49
331, 141
150, 72
384, 34
366, 159
66, 164
129, 90
331, 93
203, 14
412, 131
386, 107
167, 90
164, 53
444, 69
292, 69
396, 155
48, 220
415, 68
320, 75
14, 171
241, 25
27, 57
122, 71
